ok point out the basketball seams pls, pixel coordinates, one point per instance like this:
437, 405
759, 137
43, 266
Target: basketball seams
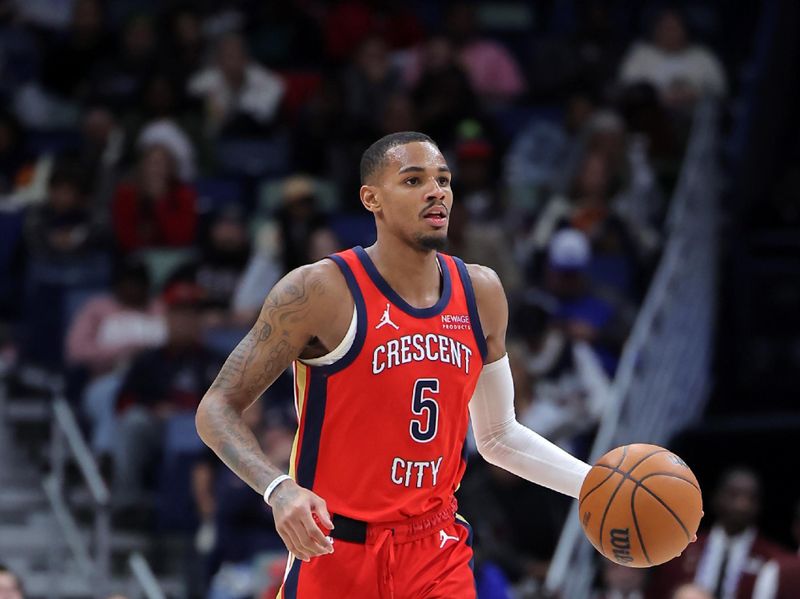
669, 475
636, 523
606, 479
669, 509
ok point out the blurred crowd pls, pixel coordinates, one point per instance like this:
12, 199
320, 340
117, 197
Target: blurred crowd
163, 164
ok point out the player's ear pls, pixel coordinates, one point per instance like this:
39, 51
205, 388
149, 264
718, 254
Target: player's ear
370, 198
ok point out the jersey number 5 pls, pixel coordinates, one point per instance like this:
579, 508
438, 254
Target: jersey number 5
422, 404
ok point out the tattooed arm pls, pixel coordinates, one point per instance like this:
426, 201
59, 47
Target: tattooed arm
305, 305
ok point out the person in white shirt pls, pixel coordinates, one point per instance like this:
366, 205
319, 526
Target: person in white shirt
236, 86
682, 72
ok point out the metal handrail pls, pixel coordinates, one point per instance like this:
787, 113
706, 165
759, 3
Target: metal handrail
80, 451
563, 564
68, 526
67, 435
144, 576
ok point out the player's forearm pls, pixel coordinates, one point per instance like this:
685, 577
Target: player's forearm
504, 442
221, 427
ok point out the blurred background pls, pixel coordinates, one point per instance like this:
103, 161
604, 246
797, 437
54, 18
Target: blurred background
630, 169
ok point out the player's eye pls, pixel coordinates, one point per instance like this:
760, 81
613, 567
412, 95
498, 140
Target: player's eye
412, 181
444, 181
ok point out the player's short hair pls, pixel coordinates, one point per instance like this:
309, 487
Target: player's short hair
374, 157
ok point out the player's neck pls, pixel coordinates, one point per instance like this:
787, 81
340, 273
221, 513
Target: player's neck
412, 273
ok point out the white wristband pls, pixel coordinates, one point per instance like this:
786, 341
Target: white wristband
273, 485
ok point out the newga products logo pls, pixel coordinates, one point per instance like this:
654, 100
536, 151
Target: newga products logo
456, 322
621, 545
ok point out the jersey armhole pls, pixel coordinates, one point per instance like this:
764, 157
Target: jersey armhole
472, 306
359, 320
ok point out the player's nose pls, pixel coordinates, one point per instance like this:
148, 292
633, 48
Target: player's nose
435, 192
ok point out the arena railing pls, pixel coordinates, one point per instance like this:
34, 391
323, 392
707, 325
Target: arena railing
95, 566
663, 378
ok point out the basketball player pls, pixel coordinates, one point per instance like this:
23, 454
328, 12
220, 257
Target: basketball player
393, 348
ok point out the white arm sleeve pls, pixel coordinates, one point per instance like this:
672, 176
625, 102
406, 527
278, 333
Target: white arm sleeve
504, 442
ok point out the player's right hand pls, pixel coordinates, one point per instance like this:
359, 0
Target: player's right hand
294, 508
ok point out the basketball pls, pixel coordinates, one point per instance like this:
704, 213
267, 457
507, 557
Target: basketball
640, 505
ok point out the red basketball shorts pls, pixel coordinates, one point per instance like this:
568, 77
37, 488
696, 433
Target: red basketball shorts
428, 557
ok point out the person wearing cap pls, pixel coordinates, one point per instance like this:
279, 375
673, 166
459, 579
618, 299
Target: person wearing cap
163, 384
600, 319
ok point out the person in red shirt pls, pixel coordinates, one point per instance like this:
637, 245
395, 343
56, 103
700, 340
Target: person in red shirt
156, 208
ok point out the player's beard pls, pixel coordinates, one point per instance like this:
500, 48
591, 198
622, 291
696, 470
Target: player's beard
431, 242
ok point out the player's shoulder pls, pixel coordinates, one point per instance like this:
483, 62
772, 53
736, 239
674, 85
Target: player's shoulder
485, 281
321, 278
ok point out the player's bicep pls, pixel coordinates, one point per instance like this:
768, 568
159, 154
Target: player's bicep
285, 325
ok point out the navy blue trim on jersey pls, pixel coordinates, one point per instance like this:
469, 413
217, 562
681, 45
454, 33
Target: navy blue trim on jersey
290, 585
361, 321
470, 536
472, 306
398, 301
314, 415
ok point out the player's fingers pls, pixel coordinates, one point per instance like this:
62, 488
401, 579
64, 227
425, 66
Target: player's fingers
292, 541
321, 510
314, 537
305, 545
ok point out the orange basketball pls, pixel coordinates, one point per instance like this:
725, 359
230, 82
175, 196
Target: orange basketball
640, 505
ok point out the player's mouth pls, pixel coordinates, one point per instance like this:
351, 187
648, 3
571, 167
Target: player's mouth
436, 217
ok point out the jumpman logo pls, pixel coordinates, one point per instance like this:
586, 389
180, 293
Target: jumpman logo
444, 537
386, 319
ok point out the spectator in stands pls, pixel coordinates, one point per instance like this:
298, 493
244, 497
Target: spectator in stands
584, 313
476, 240
10, 584
239, 94
62, 228
441, 90
621, 582
14, 163
474, 183
119, 78
399, 114
69, 62
349, 23
155, 208
568, 387
726, 560
691, 591
543, 151
300, 222
162, 384
106, 334
492, 70
168, 134
681, 71
780, 578
368, 82
184, 48
101, 155
225, 251
589, 208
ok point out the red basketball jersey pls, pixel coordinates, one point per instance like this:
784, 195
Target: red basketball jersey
382, 430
